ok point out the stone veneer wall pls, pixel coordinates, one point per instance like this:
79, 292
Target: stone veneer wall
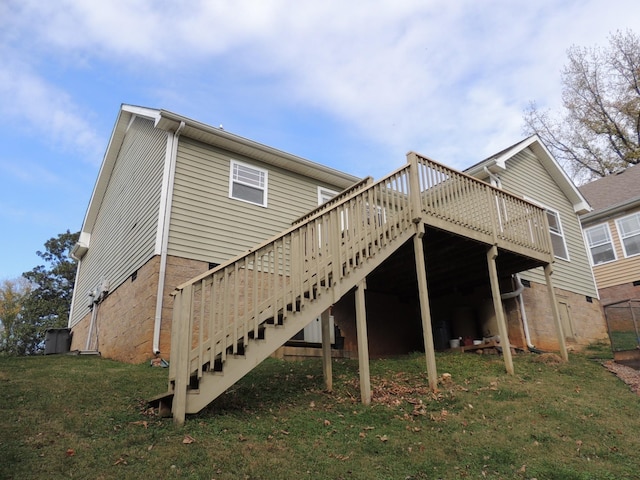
125, 319
587, 318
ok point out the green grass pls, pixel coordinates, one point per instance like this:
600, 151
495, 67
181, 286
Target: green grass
624, 340
80, 417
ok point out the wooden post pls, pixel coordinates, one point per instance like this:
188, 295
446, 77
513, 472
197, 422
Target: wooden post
492, 253
548, 270
327, 370
181, 316
363, 344
425, 311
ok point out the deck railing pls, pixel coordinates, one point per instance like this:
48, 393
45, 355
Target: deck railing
218, 313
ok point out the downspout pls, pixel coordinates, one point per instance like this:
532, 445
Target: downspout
519, 300
173, 153
495, 179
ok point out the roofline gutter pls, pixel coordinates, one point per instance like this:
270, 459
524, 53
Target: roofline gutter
610, 211
172, 150
169, 120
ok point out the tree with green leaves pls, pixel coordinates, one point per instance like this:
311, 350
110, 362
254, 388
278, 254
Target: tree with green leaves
598, 131
12, 295
47, 302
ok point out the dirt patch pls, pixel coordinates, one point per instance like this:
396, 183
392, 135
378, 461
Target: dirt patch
628, 375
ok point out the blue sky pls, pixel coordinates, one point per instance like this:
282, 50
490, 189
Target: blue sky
354, 85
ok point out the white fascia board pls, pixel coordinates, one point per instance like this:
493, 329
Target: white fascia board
580, 204
127, 112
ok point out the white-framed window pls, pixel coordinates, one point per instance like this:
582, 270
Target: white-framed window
248, 183
324, 195
600, 244
558, 241
629, 231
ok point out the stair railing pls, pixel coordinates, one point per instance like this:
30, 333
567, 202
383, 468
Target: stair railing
219, 313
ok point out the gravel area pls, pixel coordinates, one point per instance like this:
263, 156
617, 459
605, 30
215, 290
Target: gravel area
628, 375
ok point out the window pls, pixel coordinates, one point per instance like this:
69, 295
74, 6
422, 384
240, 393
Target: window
324, 195
629, 230
248, 183
599, 240
557, 237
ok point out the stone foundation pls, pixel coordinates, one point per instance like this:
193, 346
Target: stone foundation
124, 320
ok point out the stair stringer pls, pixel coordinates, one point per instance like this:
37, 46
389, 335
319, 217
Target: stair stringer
214, 384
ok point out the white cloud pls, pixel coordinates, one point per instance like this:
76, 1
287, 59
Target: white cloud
447, 78
27, 97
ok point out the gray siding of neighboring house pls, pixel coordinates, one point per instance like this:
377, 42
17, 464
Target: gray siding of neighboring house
207, 225
526, 176
124, 234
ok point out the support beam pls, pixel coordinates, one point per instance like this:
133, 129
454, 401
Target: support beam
425, 311
363, 344
548, 271
492, 254
327, 369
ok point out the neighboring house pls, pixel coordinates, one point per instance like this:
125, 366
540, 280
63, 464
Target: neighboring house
612, 233
174, 198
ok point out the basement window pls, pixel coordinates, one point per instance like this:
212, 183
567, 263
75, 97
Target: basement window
134, 275
213, 265
525, 283
589, 299
248, 183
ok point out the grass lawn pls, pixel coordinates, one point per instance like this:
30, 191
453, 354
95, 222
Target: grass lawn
86, 417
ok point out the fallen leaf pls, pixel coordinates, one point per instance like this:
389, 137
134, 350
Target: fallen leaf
120, 461
362, 435
144, 423
188, 439
327, 423
70, 452
383, 438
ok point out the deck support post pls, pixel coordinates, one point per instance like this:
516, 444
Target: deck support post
327, 370
492, 254
548, 271
425, 311
363, 343
181, 319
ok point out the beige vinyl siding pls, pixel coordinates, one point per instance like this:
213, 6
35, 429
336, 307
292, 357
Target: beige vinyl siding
621, 271
526, 176
124, 234
207, 225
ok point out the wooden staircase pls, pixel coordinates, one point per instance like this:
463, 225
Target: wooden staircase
228, 320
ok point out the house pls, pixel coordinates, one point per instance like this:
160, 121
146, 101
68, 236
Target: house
529, 170
612, 233
461, 304
211, 250
173, 199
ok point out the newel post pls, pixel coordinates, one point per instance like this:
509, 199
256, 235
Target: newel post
415, 204
180, 352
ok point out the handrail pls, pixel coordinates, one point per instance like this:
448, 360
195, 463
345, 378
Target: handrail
219, 312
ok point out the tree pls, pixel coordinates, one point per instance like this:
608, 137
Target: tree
12, 294
599, 130
47, 302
